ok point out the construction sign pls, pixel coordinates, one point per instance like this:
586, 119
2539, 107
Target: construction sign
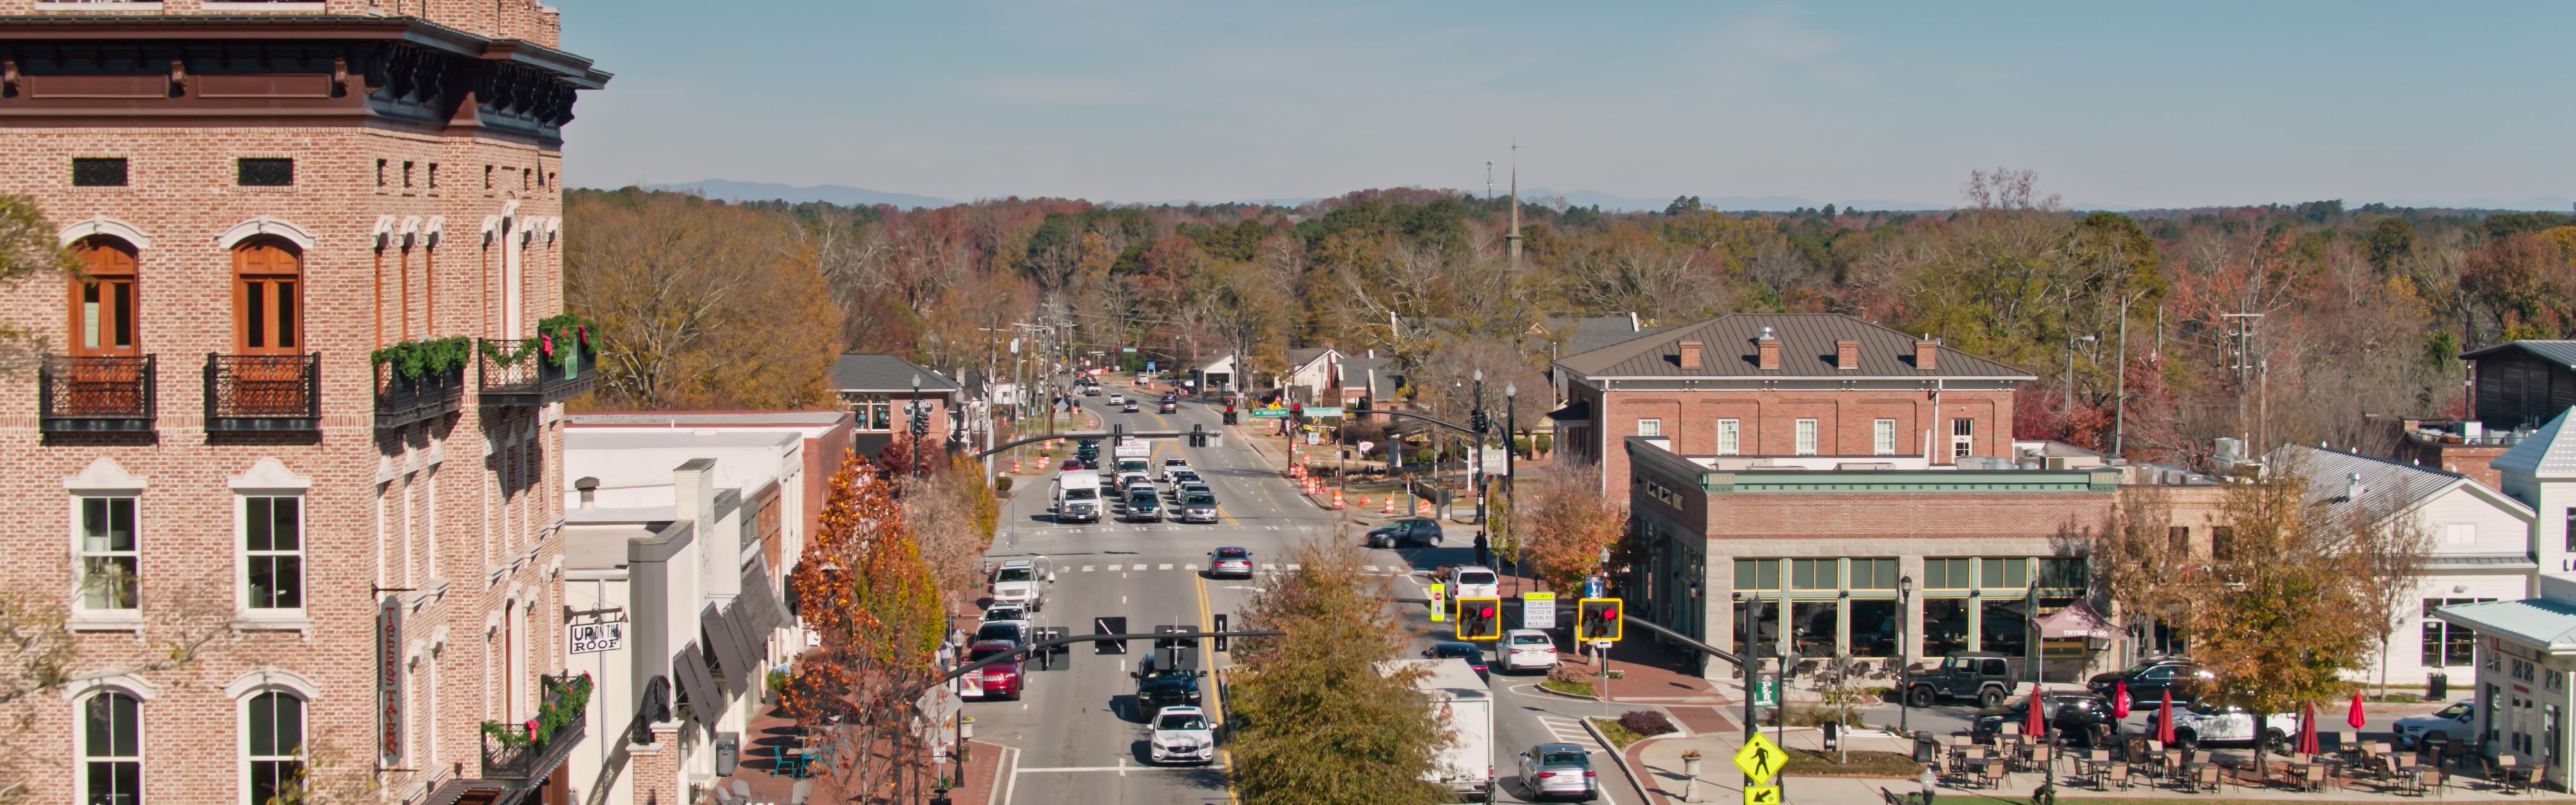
1761, 760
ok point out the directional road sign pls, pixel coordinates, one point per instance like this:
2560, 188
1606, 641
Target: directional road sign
1761, 795
1760, 759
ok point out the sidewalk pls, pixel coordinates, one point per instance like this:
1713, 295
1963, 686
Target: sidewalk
772, 781
1657, 765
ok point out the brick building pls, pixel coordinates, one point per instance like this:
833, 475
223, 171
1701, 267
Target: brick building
262, 196
1809, 389
882, 391
1833, 547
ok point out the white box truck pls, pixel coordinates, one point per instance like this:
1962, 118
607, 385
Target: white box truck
1464, 708
1077, 497
1132, 448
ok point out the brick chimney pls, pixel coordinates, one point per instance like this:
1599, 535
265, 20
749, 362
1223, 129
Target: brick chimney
1768, 349
1690, 354
1846, 355
1925, 350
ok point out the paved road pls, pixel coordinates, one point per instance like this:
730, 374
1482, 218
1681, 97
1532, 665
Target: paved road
1073, 738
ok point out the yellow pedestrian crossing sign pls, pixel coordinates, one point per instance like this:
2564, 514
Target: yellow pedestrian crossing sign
1761, 795
1761, 760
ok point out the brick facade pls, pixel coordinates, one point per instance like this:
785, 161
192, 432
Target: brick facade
451, 518
1767, 422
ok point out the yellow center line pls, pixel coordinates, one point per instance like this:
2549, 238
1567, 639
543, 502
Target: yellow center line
1216, 700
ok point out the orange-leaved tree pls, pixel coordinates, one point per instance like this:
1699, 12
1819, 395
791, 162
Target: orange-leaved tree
1562, 523
862, 587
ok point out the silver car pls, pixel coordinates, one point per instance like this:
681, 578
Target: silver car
1559, 770
1198, 509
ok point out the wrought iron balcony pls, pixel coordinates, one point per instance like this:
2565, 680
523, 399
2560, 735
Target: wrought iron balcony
519, 753
263, 393
95, 393
534, 378
404, 399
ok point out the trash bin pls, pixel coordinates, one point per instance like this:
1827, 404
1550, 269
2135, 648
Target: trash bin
1924, 747
1833, 734
2437, 687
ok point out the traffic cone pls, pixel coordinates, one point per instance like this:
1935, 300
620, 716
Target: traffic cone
1363, 501
1015, 466
1422, 508
1389, 508
1337, 498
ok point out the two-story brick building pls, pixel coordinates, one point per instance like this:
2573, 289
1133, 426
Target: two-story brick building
1811, 389
298, 399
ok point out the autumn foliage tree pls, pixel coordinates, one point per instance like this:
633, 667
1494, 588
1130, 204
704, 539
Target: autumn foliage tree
1561, 523
1312, 720
863, 587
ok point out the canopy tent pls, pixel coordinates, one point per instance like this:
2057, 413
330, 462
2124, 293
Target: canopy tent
2076, 620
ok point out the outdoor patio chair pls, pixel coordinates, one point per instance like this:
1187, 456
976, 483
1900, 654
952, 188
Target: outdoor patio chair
2207, 779
1992, 776
2528, 780
2112, 773
2426, 777
2313, 777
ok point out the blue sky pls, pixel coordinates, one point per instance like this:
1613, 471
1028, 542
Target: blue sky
2114, 104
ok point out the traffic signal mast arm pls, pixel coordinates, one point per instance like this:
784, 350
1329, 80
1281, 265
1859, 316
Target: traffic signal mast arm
1632, 620
1032, 647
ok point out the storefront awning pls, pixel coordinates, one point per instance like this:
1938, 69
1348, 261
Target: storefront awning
761, 600
698, 682
2076, 621
1577, 411
739, 661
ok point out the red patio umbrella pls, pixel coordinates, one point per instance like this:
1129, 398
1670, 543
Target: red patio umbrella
2033, 724
2354, 718
2164, 720
2120, 700
2307, 728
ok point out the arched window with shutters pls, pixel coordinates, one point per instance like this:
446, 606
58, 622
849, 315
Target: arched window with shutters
103, 302
268, 302
111, 749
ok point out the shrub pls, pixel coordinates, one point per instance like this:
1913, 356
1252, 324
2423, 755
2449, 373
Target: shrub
1002, 484
1546, 444
1521, 446
1569, 672
1646, 722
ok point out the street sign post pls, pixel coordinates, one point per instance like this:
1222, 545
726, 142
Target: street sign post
1538, 610
1439, 601
1268, 413
1761, 760
1766, 689
1592, 587
1316, 411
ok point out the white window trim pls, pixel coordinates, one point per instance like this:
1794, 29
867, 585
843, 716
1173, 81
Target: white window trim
1882, 437
245, 616
241, 724
1658, 427
81, 616
1730, 437
1806, 438
80, 731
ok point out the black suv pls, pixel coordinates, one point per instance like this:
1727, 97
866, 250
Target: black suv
1984, 676
1406, 533
2082, 717
2152, 677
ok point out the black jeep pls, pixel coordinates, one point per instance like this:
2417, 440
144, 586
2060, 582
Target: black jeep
1983, 676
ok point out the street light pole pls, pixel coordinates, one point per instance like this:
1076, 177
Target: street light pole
1475, 474
1511, 394
1904, 651
920, 424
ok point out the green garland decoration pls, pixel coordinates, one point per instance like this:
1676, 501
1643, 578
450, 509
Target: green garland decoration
552, 715
553, 332
421, 358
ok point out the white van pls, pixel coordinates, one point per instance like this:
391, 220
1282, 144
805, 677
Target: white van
1077, 497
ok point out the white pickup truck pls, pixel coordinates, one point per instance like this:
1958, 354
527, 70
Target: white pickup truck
1020, 582
2206, 723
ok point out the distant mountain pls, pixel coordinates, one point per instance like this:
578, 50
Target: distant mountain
1612, 203
729, 190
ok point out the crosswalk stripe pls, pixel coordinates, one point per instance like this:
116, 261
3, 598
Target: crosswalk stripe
1269, 566
1166, 566
1113, 568
1292, 567
1086, 568
1369, 568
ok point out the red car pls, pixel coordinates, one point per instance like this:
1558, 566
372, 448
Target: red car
1071, 464
999, 680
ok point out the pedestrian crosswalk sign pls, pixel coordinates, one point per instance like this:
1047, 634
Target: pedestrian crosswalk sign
1761, 795
1439, 602
1761, 760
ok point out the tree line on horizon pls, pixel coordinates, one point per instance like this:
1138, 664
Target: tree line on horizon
2362, 310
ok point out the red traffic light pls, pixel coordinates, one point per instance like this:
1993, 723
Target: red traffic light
1609, 613
1484, 612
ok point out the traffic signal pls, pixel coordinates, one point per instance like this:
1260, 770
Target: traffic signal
1480, 619
1476, 420
1599, 619
1297, 413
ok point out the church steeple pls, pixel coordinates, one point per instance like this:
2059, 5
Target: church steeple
1512, 237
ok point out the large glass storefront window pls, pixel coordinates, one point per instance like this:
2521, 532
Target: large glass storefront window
1945, 626
1873, 627
2001, 627
1813, 624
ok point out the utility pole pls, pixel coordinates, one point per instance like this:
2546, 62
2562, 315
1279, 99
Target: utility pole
2120, 393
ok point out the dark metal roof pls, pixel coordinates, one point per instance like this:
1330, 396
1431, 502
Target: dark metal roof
2562, 353
1357, 374
876, 371
1806, 350
1595, 332
1301, 356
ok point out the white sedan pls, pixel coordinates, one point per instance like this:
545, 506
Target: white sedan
1527, 650
1181, 735
2451, 722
